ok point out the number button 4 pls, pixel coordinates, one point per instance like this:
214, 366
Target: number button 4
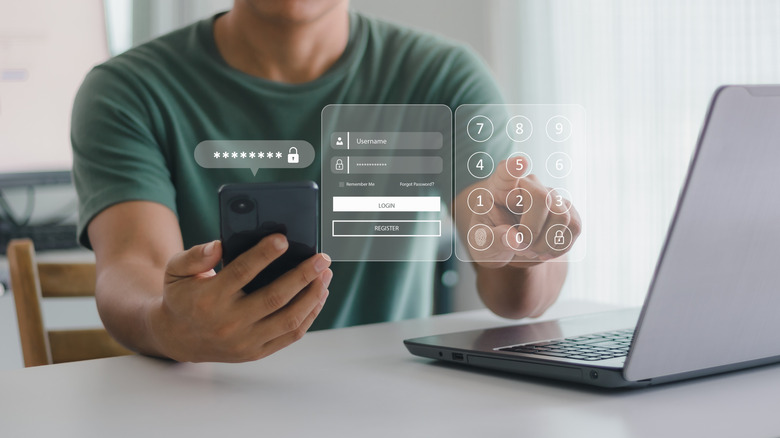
480, 165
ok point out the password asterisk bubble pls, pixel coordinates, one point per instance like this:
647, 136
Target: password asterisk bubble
212, 154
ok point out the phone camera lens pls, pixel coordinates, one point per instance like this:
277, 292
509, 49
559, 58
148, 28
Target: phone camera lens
242, 205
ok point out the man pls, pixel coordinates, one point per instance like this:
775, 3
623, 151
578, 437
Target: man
263, 70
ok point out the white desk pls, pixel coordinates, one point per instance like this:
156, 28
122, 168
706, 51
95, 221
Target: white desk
362, 382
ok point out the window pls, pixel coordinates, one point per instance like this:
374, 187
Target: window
644, 71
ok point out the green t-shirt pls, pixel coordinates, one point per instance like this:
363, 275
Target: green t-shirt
138, 117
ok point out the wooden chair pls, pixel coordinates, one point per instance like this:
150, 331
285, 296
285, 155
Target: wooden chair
32, 281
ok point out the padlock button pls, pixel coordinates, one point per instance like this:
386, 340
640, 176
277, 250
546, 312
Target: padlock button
559, 237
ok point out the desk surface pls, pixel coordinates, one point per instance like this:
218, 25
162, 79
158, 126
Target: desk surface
361, 381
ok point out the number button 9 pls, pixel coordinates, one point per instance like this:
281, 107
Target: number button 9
558, 129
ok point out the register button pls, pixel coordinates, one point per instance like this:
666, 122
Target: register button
387, 228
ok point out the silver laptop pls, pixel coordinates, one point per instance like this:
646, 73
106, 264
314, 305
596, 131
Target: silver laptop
713, 304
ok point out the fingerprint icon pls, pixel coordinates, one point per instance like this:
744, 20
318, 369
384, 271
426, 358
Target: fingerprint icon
480, 236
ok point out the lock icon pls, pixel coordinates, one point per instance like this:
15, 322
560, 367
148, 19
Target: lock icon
339, 164
558, 239
292, 155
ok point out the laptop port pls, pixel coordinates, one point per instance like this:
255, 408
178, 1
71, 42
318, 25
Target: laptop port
457, 356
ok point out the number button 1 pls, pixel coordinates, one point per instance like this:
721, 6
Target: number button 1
480, 200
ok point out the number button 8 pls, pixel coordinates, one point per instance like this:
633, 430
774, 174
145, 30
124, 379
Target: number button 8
519, 128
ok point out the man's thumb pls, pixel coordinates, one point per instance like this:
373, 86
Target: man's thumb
196, 260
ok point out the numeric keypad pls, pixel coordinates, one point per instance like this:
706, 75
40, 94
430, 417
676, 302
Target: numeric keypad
555, 156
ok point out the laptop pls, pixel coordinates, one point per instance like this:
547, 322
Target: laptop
713, 304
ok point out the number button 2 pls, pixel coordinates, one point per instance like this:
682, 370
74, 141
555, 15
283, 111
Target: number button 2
519, 201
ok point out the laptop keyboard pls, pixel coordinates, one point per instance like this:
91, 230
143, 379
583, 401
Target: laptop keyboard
596, 346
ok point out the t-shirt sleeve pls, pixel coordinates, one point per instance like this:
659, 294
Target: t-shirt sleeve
469, 81
116, 155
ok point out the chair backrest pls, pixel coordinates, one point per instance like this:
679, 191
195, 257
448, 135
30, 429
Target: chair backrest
31, 282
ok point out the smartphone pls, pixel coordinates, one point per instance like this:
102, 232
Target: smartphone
250, 212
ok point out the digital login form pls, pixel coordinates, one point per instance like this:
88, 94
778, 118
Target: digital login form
387, 182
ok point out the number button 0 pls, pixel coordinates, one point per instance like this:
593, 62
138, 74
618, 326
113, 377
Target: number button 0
480, 165
519, 128
519, 237
479, 128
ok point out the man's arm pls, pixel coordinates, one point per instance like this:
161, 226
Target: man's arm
515, 284
159, 300
131, 257
517, 292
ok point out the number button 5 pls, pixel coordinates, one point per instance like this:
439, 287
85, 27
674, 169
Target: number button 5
519, 165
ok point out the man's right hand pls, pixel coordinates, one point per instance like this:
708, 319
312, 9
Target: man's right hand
157, 299
205, 316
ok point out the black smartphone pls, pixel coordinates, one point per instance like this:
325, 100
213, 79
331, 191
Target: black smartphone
250, 212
